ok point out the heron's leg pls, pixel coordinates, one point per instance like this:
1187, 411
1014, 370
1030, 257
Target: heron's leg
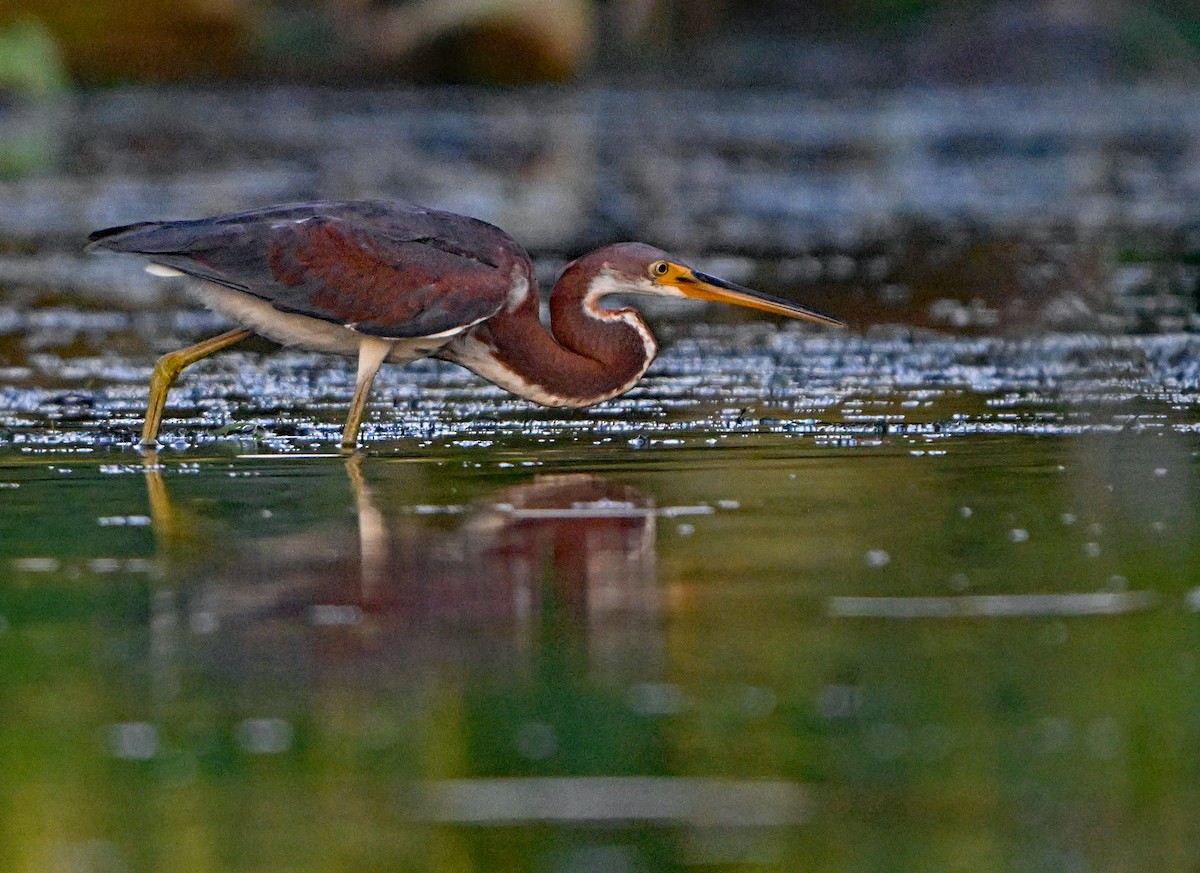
371, 352
167, 370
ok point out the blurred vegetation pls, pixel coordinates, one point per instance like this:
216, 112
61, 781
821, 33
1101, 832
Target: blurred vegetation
30, 63
32, 78
505, 41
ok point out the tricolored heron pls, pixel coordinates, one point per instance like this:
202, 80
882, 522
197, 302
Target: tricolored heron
389, 281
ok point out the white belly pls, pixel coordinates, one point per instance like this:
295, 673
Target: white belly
303, 332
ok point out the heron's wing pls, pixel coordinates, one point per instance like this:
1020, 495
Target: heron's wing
378, 285
388, 270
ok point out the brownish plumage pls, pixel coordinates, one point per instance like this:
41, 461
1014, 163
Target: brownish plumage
389, 281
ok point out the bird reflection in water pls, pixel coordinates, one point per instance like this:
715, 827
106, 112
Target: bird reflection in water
578, 546
508, 654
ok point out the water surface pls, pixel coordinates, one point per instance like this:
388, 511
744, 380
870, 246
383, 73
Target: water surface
875, 600
855, 640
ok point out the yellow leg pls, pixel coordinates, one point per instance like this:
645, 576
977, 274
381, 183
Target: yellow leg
167, 370
371, 352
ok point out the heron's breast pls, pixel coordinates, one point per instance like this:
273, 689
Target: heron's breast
483, 359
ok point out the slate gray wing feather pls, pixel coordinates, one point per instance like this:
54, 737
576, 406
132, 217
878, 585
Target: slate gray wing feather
385, 269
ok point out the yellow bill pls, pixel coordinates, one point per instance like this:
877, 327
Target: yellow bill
701, 286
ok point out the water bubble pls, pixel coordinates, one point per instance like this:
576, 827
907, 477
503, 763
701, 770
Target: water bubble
333, 615
650, 698
757, 702
133, 741
102, 566
203, 622
264, 736
877, 558
36, 565
123, 521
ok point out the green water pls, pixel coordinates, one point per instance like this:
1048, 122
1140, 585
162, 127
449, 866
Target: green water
874, 601
783, 656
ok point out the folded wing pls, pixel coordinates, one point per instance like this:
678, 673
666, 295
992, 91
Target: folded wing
384, 269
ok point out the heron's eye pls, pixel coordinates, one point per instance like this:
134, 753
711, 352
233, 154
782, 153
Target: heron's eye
659, 268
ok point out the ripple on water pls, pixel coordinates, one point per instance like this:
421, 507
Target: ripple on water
718, 380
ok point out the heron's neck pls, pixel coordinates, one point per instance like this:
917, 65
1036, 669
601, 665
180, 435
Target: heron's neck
589, 354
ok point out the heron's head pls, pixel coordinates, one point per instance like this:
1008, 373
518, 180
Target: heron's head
637, 268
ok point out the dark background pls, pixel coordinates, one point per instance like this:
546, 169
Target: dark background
849, 43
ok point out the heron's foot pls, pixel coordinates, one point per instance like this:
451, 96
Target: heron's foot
350, 432
371, 353
167, 370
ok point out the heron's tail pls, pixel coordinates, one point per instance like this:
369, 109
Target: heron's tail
148, 238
